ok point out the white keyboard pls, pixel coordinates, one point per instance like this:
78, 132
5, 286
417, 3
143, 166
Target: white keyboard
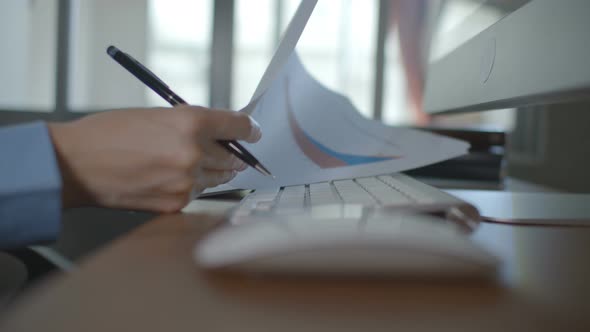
348, 198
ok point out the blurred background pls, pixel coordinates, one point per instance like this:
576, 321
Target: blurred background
213, 52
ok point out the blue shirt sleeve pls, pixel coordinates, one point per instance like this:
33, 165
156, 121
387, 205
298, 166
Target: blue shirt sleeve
30, 186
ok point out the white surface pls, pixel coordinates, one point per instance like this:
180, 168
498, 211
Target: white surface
379, 245
529, 208
540, 56
209, 206
331, 120
286, 47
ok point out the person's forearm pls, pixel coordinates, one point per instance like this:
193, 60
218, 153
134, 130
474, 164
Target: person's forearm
147, 159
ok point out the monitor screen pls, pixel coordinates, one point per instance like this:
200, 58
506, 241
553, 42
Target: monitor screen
460, 20
532, 53
456, 22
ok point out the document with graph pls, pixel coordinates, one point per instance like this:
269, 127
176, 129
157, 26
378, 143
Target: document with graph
312, 134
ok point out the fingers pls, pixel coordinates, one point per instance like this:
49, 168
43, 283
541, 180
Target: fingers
222, 125
176, 194
179, 193
162, 203
229, 125
216, 157
169, 204
205, 127
206, 178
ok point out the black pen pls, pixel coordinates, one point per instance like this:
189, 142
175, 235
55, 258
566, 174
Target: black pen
158, 86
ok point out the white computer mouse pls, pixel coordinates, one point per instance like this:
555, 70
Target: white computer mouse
379, 245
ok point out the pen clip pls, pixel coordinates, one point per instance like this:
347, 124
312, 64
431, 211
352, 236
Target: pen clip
147, 70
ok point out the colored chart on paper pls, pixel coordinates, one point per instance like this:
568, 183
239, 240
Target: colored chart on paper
313, 134
319, 153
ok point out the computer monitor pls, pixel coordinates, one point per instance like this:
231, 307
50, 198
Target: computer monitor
532, 55
536, 54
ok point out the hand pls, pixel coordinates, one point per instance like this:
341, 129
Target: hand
148, 159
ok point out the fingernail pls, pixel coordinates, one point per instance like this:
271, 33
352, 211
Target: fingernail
228, 176
239, 165
236, 163
256, 131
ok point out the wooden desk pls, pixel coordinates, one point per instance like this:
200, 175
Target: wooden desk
147, 281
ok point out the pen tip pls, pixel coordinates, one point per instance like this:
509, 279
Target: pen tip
263, 170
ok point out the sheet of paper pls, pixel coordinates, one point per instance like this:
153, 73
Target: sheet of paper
283, 51
312, 134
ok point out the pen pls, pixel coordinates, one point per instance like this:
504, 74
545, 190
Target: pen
158, 86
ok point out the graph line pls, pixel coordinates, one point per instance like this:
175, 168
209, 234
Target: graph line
319, 153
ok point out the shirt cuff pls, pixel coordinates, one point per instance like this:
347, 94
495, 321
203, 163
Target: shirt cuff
30, 188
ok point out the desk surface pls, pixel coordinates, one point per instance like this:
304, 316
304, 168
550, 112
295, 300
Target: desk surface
147, 281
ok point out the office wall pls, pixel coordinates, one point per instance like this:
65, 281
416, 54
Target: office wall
96, 81
27, 60
563, 160
13, 64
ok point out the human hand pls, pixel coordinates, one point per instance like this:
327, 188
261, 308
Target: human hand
148, 159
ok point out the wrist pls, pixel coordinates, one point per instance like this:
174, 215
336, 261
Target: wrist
65, 141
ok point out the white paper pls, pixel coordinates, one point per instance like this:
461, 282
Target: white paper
283, 51
312, 134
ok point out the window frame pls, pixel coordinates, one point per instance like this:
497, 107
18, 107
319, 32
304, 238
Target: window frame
60, 111
221, 68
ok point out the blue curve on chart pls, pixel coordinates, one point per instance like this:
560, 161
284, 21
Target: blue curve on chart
347, 158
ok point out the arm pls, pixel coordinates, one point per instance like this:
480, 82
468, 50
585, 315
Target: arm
410, 16
30, 186
141, 159
148, 159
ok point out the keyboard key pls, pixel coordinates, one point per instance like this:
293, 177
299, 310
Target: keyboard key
264, 194
352, 193
386, 194
412, 188
342, 199
264, 206
291, 198
322, 194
